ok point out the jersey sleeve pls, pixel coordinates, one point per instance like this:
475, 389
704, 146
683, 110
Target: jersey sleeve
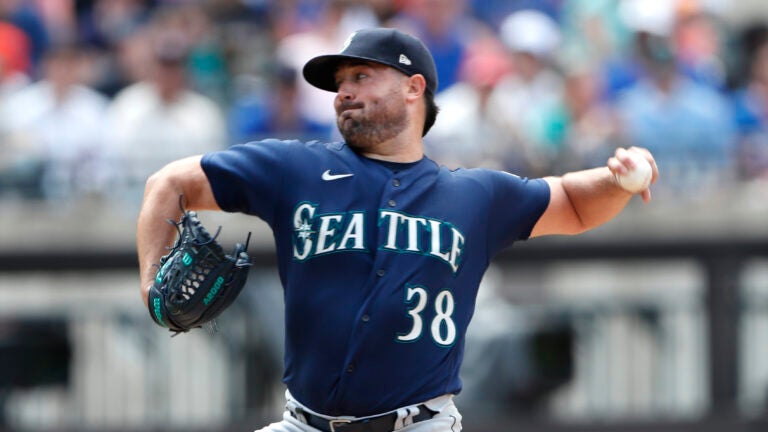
251, 178
517, 204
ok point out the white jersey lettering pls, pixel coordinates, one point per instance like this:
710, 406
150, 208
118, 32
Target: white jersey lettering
434, 229
456, 247
341, 232
414, 229
316, 235
354, 233
327, 229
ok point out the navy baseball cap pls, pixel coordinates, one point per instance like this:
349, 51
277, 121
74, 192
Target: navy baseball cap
387, 46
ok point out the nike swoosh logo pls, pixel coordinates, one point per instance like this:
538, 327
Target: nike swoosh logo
327, 176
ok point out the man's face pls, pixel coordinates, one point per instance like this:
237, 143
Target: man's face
370, 103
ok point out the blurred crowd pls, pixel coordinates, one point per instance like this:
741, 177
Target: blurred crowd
97, 94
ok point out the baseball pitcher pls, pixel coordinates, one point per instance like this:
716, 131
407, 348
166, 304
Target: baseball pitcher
380, 250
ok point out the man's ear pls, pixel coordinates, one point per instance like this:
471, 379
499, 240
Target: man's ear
417, 85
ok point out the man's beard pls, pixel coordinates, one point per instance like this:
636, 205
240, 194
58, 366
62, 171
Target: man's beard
366, 131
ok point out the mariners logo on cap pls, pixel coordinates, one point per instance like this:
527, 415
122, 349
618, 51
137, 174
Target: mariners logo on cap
348, 41
404, 60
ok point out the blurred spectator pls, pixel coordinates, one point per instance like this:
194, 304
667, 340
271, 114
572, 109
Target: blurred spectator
685, 124
583, 126
383, 10
14, 59
697, 39
444, 27
594, 34
751, 107
327, 35
549, 102
623, 70
23, 15
466, 132
107, 25
523, 98
188, 25
244, 36
52, 131
159, 118
60, 20
207, 63
104, 23
693, 30
493, 12
272, 110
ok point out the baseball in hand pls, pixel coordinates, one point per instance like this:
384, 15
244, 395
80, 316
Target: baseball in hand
638, 178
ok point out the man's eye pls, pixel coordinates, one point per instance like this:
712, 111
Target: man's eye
360, 76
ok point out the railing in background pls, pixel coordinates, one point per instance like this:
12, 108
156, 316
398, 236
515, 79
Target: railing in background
667, 339
124, 372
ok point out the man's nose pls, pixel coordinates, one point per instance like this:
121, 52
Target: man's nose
345, 91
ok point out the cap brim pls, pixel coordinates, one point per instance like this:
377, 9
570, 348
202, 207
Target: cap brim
321, 71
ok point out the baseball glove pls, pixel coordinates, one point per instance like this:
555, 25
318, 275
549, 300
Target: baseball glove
196, 281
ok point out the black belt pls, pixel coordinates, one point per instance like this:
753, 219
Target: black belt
382, 423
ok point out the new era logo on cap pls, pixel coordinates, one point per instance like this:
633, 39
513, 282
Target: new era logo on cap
387, 46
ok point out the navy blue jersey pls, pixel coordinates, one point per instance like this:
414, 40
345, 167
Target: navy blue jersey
380, 267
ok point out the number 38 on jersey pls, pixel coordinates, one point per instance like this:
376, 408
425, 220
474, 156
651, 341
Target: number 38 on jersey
441, 328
